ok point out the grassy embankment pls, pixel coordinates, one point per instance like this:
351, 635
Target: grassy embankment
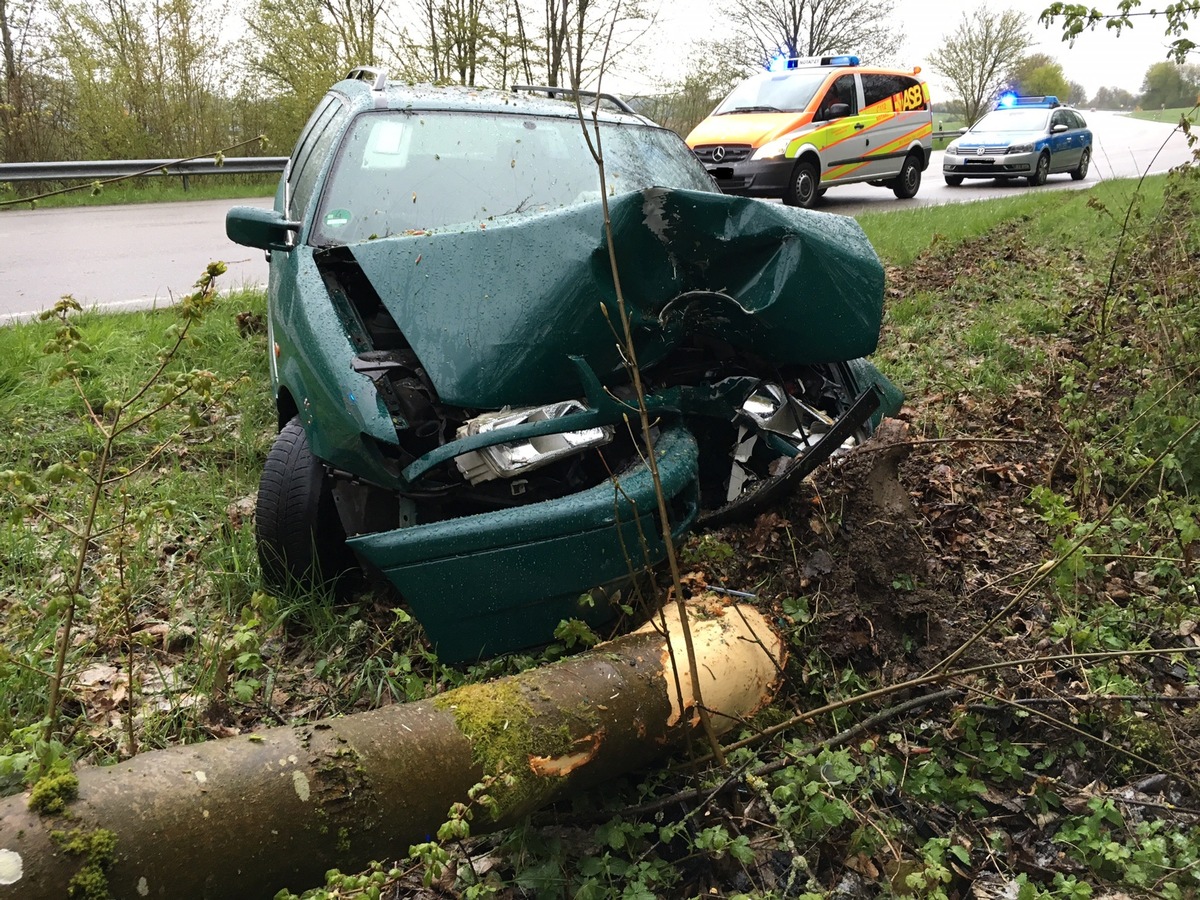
1169, 116
159, 189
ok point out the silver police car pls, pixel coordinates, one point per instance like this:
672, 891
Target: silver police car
1023, 137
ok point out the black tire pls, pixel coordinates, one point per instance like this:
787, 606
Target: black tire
804, 186
1041, 172
908, 182
954, 180
300, 539
1080, 172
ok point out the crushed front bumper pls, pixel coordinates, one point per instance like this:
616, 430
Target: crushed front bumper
496, 582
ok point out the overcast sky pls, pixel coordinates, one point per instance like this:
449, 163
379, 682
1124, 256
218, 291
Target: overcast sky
1098, 59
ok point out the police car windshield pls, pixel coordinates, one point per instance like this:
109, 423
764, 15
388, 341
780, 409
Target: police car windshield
773, 92
1013, 120
400, 171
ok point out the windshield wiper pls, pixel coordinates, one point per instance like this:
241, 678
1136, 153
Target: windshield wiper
746, 109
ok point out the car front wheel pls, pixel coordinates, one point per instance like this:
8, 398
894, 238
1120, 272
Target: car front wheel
804, 187
300, 539
1080, 171
1041, 172
908, 182
954, 180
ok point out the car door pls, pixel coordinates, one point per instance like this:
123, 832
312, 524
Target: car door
1065, 142
841, 141
895, 112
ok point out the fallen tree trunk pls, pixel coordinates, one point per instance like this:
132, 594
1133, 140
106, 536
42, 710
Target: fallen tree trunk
246, 816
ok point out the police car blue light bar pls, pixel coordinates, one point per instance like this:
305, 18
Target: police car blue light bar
1009, 100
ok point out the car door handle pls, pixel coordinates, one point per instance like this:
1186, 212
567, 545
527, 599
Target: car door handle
859, 126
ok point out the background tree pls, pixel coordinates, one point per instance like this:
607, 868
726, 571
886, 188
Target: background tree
1038, 74
1114, 98
147, 76
1168, 84
34, 100
459, 39
979, 57
1077, 94
815, 27
712, 71
575, 37
296, 50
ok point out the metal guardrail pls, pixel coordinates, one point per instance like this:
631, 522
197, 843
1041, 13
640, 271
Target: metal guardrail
92, 170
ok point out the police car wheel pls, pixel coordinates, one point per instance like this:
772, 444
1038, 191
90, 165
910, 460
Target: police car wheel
954, 180
804, 186
1040, 173
1080, 172
908, 182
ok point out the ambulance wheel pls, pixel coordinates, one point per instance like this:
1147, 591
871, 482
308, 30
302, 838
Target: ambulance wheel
804, 186
908, 182
954, 180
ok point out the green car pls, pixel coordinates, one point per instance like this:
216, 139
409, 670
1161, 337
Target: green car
455, 391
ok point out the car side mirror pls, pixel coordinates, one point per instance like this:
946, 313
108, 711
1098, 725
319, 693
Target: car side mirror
838, 111
1059, 128
266, 229
962, 131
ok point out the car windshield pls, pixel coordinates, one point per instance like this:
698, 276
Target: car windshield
1013, 120
400, 171
783, 92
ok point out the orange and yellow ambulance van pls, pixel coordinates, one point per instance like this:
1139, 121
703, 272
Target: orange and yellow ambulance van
809, 124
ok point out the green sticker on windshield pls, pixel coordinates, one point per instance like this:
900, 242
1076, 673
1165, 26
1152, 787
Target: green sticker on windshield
336, 218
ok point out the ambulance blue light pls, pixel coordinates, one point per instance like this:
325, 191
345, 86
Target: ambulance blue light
777, 63
843, 61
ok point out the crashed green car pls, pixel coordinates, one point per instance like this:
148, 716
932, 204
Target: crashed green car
455, 397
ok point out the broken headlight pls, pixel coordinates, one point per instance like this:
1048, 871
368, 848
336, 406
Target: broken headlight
516, 457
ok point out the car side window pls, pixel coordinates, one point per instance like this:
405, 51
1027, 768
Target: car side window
1079, 120
843, 90
311, 152
1060, 118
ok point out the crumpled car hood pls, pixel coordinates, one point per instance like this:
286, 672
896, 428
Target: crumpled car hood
495, 311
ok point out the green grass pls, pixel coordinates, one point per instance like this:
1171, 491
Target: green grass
160, 189
1054, 216
1170, 116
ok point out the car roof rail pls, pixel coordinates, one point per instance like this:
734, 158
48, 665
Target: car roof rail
376, 76
552, 91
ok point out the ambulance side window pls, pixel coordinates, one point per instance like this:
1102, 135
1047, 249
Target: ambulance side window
904, 93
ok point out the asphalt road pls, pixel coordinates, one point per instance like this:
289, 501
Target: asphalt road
146, 255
